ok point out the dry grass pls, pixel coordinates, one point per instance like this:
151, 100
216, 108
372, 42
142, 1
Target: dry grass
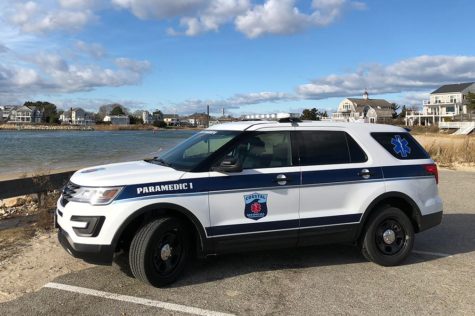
46, 200
449, 150
13, 239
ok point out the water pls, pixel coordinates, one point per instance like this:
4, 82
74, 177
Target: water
43, 151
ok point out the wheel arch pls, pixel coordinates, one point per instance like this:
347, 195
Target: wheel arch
126, 231
396, 199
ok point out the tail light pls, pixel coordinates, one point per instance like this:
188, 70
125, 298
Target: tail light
432, 170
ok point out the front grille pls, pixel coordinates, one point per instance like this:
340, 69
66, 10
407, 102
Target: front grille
68, 192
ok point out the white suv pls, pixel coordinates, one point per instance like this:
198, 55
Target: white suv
254, 185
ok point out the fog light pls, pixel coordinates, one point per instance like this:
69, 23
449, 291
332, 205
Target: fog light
87, 226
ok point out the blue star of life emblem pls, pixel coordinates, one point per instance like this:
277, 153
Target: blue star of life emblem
400, 146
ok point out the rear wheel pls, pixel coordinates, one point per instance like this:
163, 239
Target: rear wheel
389, 237
159, 251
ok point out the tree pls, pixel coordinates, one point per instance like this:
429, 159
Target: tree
470, 100
106, 109
394, 108
313, 114
50, 113
135, 120
117, 110
403, 112
309, 114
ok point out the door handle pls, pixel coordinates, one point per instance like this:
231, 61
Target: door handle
282, 179
365, 174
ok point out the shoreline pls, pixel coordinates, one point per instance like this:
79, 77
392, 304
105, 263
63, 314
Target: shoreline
99, 127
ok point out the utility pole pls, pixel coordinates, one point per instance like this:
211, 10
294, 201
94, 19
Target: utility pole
207, 115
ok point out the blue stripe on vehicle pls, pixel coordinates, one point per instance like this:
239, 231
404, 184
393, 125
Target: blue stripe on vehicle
405, 171
226, 183
338, 175
267, 181
252, 227
330, 220
282, 225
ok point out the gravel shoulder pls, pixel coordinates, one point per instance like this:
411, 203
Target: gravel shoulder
29, 260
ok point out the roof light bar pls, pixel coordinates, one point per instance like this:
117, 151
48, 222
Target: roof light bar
271, 116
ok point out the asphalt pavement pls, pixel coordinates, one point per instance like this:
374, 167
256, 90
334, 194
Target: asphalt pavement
438, 278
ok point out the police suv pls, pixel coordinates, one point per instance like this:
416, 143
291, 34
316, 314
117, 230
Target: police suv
251, 185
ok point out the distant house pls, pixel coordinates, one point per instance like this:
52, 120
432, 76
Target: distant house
198, 119
6, 109
25, 114
157, 116
1, 115
117, 119
444, 105
147, 118
365, 109
76, 116
171, 119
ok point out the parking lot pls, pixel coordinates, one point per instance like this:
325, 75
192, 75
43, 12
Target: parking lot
438, 278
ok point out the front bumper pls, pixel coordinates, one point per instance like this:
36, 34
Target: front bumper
95, 254
430, 220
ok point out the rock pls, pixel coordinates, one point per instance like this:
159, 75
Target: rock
12, 202
32, 198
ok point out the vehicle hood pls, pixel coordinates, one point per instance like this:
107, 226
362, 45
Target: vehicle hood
127, 173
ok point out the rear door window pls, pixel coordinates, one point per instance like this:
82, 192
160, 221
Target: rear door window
328, 147
401, 145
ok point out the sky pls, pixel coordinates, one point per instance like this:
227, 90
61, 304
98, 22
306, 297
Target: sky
246, 56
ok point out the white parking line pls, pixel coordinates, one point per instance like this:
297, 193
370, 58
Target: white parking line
136, 300
435, 254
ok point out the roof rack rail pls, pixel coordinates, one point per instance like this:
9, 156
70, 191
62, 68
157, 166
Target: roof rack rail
290, 120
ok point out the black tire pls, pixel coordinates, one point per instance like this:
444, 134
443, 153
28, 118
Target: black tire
397, 244
149, 258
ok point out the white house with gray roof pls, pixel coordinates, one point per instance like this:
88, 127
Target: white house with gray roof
445, 104
25, 114
76, 116
364, 110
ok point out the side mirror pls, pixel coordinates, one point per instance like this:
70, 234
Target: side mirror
229, 165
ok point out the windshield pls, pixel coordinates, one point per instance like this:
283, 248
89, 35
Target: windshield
193, 151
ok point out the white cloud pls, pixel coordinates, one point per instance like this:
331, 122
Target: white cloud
3, 48
30, 17
251, 17
234, 102
284, 17
254, 20
139, 66
51, 73
81, 4
95, 50
216, 14
413, 74
148, 9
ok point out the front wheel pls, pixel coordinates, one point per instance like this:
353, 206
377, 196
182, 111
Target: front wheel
388, 238
159, 251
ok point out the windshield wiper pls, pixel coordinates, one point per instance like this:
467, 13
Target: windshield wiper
161, 162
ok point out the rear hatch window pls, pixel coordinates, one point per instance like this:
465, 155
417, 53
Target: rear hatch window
401, 145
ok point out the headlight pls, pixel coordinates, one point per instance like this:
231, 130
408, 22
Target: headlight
95, 196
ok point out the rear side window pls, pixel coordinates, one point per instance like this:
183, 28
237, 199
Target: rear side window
401, 145
328, 147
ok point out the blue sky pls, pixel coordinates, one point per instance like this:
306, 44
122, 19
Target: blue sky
246, 56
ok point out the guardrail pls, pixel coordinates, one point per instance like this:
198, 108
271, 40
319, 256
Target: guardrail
38, 184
